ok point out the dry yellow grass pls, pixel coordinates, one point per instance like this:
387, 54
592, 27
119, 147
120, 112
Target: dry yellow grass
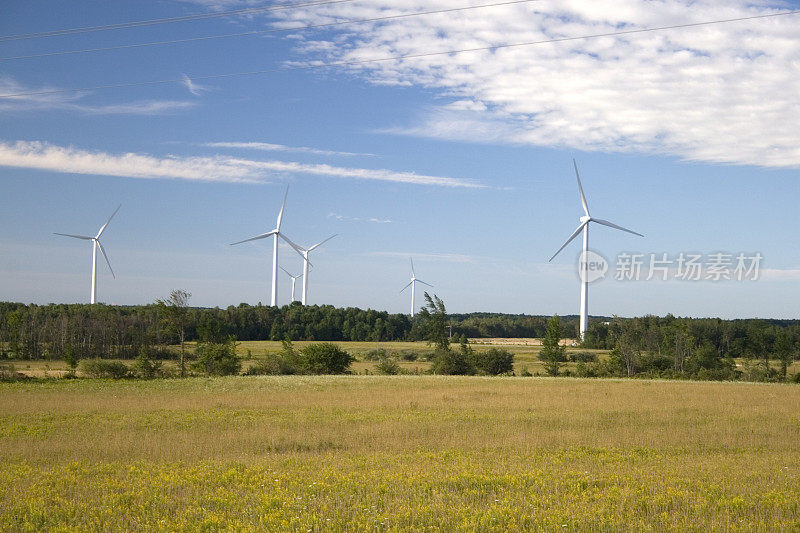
366, 452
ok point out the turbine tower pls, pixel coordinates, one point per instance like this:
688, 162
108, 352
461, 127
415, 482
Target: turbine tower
584, 226
294, 281
304, 254
95, 245
275, 234
412, 284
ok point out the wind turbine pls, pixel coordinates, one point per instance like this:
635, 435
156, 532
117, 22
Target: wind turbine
275, 234
584, 226
95, 245
412, 284
304, 254
294, 280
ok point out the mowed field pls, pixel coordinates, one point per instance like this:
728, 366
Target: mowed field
343, 453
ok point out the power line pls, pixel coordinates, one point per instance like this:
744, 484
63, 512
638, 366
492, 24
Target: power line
400, 57
152, 22
271, 30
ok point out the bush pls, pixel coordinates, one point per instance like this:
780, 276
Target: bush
144, 366
324, 358
375, 355
388, 366
217, 359
9, 373
796, 378
272, 365
493, 362
582, 357
449, 362
407, 355
100, 368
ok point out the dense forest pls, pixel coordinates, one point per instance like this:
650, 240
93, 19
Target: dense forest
47, 331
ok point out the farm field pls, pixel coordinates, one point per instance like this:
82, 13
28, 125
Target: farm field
399, 452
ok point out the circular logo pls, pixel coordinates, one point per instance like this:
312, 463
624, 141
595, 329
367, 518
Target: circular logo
592, 266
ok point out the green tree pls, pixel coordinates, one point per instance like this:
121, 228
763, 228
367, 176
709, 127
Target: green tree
783, 350
434, 318
145, 366
175, 311
552, 353
71, 359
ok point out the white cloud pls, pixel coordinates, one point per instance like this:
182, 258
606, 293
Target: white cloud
374, 220
433, 257
45, 156
721, 93
73, 101
269, 147
775, 274
194, 88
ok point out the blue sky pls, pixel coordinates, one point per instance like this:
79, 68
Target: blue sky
463, 162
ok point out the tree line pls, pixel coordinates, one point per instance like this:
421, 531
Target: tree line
120, 332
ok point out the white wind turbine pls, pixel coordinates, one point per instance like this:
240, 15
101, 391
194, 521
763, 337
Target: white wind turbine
275, 234
304, 254
95, 245
294, 281
584, 226
412, 284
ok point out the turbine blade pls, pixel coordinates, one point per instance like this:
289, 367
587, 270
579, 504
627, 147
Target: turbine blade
323, 242
580, 188
297, 248
84, 237
280, 215
103, 227
407, 286
412, 268
287, 272
612, 225
262, 236
420, 281
571, 237
107, 261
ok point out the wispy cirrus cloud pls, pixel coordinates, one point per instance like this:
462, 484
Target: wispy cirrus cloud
721, 93
433, 257
194, 88
75, 101
374, 220
66, 159
270, 147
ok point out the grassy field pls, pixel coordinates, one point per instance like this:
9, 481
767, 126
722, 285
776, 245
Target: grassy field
396, 453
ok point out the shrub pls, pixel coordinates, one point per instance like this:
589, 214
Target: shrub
217, 359
272, 365
796, 378
582, 357
452, 363
324, 358
144, 366
493, 362
375, 355
9, 373
100, 368
388, 366
407, 355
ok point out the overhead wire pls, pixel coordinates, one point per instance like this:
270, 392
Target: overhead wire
270, 30
401, 57
168, 20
